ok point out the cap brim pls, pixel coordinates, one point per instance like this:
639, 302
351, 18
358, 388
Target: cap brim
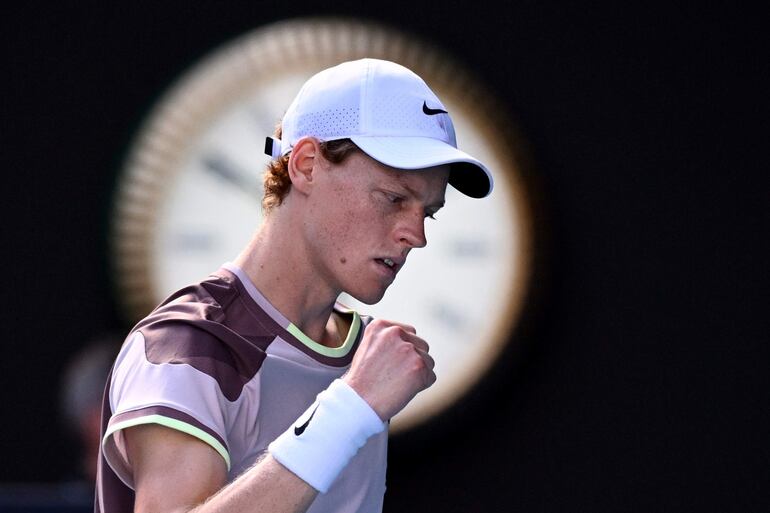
466, 174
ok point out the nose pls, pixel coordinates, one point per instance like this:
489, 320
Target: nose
411, 230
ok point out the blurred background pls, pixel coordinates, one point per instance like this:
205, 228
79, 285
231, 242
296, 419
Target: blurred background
635, 372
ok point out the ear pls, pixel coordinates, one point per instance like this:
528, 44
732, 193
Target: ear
303, 163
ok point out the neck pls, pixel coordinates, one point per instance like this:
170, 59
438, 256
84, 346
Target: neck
279, 264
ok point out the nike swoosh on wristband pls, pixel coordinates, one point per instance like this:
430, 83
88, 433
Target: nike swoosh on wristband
298, 430
431, 112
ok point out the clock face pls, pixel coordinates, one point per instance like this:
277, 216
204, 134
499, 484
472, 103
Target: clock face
190, 196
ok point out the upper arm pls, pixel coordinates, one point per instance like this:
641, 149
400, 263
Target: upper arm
172, 471
148, 388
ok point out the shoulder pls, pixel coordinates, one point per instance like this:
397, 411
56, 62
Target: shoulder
207, 300
205, 327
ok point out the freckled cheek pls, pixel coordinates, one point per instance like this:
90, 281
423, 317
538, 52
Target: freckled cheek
345, 248
336, 243
356, 232
354, 245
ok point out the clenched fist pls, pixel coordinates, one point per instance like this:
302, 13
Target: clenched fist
390, 367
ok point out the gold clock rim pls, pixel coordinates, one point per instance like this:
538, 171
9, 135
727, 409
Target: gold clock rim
239, 67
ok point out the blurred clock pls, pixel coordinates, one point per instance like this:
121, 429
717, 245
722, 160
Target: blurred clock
189, 196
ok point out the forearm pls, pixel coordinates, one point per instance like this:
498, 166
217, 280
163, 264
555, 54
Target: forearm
267, 487
305, 459
197, 480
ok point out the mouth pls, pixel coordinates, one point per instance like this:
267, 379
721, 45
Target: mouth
391, 265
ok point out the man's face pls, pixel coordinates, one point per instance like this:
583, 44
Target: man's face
366, 217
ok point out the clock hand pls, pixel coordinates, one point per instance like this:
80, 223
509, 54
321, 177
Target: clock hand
226, 170
449, 316
469, 248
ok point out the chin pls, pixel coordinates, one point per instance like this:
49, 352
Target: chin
369, 297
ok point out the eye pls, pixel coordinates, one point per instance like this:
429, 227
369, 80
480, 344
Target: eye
393, 198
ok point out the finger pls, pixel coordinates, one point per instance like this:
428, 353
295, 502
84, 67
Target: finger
430, 363
416, 341
406, 327
430, 378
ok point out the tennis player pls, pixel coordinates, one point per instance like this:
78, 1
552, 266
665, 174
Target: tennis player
254, 389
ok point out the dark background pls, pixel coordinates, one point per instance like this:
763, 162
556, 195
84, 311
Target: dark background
640, 377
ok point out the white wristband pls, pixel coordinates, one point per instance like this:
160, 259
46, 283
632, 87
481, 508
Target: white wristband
324, 438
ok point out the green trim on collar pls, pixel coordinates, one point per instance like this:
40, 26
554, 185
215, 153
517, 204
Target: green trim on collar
332, 352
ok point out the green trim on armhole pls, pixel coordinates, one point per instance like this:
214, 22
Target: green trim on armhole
173, 424
332, 352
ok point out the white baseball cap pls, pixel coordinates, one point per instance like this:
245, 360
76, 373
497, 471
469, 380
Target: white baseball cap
389, 112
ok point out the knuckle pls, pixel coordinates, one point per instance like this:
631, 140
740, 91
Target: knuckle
378, 324
405, 348
395, 331
393, 328
418, 365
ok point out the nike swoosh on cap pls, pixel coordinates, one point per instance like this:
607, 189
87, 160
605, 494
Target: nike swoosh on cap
431, 112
